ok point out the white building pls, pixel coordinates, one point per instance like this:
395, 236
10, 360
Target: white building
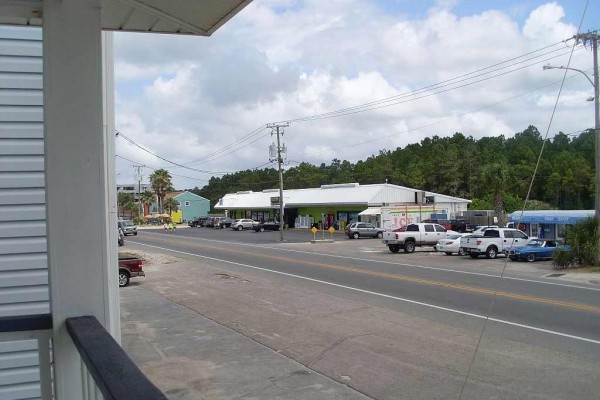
340, 202
134, 188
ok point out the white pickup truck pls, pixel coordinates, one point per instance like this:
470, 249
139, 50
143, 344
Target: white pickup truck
415, 235
493, 241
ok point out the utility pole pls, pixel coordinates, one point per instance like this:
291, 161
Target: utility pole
592, 39
138, 177
277, 129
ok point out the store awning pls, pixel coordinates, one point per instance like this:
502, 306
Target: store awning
551, 216
371, 211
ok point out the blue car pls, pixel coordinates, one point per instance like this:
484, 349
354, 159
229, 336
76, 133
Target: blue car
536, 249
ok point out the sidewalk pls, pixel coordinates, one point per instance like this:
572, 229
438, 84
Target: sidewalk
191, 357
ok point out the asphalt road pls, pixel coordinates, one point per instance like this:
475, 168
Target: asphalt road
564, 314
389, 326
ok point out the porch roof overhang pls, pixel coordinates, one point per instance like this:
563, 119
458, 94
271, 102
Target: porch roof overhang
198, 17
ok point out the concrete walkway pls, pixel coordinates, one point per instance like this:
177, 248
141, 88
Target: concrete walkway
191, 357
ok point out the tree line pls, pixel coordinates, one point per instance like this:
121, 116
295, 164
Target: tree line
495, 172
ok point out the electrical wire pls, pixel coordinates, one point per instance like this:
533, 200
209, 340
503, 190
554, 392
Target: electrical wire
423, 94
231, 152
446, 82
121, 135
430, 124
238, 141
495, 295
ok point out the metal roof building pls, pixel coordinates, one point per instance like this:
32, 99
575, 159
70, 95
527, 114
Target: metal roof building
338, 194
339, 202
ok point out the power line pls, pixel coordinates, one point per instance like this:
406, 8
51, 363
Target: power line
419, 93
238, 141
437, 85
233, 151
120, 134
431, 124
151, 168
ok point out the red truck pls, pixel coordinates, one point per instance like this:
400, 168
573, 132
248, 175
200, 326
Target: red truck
129, 266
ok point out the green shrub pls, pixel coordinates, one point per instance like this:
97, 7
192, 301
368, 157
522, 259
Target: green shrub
562, 259
583, 239
138, 221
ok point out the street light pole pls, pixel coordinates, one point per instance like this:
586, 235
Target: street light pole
593, 39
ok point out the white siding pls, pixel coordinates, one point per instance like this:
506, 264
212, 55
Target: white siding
23, 262
19, 370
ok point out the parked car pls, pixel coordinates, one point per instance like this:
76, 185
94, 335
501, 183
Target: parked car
121, 237
222, 222
129, 267
209, 223
493, 241
196, 222
266, 226
357, 230
450, 245
443, 222
128, 227
480, 229
241, 224
461, 225
422, 234
536, 249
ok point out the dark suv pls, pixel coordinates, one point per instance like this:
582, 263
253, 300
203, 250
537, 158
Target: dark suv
197, 222
222, 222
358, 229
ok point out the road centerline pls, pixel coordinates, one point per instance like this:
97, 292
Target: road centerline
479, 316
422, 281
425, 267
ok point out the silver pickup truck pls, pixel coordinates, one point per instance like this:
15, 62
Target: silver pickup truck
415, 235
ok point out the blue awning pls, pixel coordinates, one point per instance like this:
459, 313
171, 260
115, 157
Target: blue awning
551, 216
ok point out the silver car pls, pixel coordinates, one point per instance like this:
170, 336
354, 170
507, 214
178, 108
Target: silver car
128, 227
241, 224
362, 229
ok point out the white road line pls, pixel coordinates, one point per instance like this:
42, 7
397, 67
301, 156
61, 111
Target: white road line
393, 263
501, 321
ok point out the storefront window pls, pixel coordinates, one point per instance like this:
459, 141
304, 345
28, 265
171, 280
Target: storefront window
560, 231
352, 217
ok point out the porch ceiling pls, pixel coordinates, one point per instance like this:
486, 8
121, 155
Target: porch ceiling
189, 17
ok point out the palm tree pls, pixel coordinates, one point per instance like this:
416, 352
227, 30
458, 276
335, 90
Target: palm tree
124, 200
160, 180
171, 204
147, 198
496, 178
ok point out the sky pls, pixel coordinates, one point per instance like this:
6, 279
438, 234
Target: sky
404, 70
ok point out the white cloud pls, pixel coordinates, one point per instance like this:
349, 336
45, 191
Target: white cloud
187, 97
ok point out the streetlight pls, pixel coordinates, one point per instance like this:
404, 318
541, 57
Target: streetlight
593, 39
548, 66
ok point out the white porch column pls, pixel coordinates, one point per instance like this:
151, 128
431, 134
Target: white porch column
78, 152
